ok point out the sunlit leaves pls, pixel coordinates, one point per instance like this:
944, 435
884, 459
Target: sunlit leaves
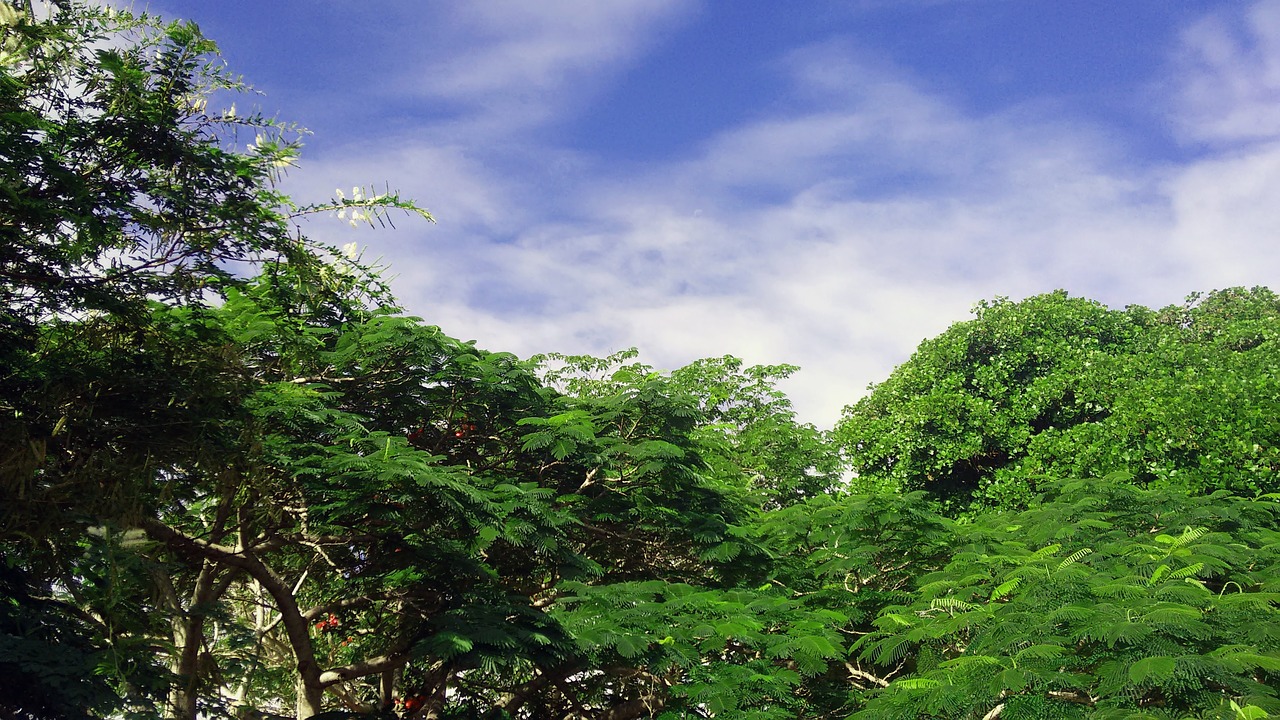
714, 639
1054, 386
1141, 617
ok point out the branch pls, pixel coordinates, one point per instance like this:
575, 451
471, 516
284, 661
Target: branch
1073, 696
223, 554
295, 626
646, 706
372, 666
346, 603
855, 672
516, 697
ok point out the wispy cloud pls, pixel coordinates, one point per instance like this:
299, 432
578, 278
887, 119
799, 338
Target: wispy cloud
836, 233
509, 64
1230, 70
1225, 210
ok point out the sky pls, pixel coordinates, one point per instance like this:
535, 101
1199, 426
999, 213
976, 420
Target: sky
824, 184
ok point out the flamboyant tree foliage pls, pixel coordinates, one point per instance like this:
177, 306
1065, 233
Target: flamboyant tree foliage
236, 481
1103, 600
747, 429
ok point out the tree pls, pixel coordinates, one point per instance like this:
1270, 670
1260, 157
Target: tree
746, 430
1060, 386
844, 558
712, 630
122, 188
378, 550
1195, 406
752, 432
127, 209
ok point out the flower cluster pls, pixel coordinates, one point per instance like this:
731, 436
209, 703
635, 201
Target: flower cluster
327, 624
413, 703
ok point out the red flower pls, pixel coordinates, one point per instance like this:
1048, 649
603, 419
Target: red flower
328, 623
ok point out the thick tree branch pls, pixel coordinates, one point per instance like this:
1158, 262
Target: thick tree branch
372, 666
649, 705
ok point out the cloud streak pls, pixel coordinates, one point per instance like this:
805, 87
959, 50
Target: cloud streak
509, 65
836, 233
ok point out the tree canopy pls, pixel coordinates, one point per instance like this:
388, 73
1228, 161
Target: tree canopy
1056, 386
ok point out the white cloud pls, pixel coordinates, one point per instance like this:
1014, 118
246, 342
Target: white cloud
1230, 69
512, 64
1227, 218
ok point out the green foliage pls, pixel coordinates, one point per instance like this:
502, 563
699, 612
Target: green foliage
640, 473
751, 432
1055, 386
47, 658
1100, 600
854, 553
845, 559
236, 480
734, 653
746, 430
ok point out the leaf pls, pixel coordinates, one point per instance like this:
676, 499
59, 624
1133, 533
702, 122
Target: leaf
1153, 669
896, 619
888, 651
448, 644
1046, 551
1039, 652
1012, 679
1189, 571
630, 647
1006, 588
951, 605
1074, 558
1159, 573
1248, 712
916, 684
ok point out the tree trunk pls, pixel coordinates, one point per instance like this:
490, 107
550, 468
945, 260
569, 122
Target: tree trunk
187, 628
310, 691
309, 699
187, 635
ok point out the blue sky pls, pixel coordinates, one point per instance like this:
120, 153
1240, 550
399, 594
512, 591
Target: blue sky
823, 183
